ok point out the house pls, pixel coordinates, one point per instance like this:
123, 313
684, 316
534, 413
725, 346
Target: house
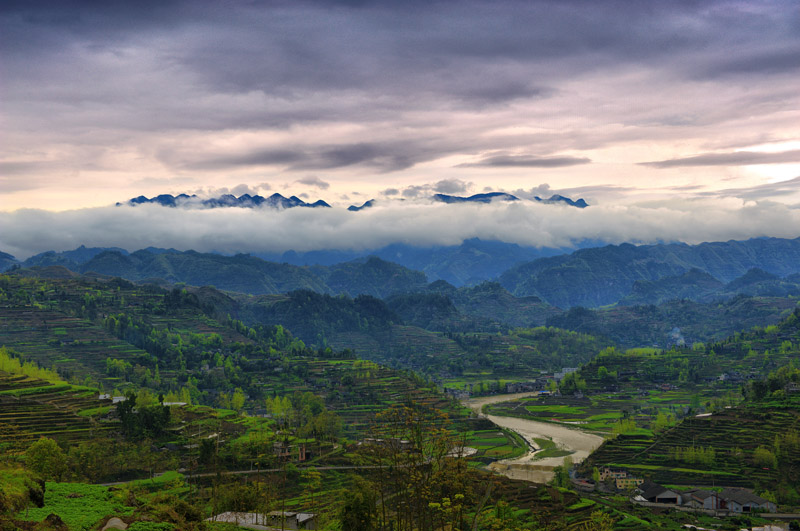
458, 394
744, 501
612, 473
291, 520
392, 443
791, 388
284, 450
628, 483
655, 493
701, 499
522, 387
558, 376
269, 521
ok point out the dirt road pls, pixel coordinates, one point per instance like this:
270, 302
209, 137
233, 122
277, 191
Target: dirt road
540, 471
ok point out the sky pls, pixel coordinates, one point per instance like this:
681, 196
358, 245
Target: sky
651, 111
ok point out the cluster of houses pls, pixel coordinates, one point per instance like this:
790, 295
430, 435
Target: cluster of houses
622, 479
732, 500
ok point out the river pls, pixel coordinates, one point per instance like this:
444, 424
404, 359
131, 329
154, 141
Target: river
579, 442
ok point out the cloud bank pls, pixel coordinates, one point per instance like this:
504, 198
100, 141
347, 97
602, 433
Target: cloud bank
28, 231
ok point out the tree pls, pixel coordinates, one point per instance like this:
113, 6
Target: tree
764, 458
46, 458
417, 466
237, 401
359, 512
313, 481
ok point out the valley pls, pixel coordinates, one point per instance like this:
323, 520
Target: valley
286, 400
528, 467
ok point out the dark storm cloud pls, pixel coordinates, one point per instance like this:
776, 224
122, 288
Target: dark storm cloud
509, 161
159, 80
763, 63
735, 158
382, 156
477, 52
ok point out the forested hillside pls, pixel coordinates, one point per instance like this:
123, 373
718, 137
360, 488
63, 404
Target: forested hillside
186, 378
601, 276
755, 444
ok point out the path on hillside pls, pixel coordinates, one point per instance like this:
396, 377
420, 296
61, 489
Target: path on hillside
579, 442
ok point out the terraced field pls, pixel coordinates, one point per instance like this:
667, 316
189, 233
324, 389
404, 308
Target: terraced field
72, 345
734, 434
31, 408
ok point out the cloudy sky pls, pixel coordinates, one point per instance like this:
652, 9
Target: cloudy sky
635, 105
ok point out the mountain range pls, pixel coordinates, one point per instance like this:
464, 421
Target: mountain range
624, 275
227, 200
604, 275
278, 201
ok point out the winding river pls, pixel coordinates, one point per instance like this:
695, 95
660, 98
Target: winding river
579, 442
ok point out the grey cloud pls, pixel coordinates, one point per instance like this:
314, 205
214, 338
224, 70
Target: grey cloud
390, 191
314, 181
687, 188
23, 167
385, 157
134, 78
511, 161
452, 186
415, 191
736, 158
780, 61
240, 189
763, 191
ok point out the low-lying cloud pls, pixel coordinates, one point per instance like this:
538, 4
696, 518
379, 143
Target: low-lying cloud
26, 232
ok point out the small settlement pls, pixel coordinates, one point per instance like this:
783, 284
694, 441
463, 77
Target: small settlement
645, 492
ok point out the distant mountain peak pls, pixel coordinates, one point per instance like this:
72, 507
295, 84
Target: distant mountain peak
276, 200
503, 196
556, 198
367, 204
477, 198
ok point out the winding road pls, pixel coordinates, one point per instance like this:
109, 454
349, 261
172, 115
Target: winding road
579, 442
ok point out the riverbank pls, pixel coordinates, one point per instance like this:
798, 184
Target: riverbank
580, 443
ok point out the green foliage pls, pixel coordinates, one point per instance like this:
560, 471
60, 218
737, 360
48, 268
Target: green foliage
47, 459
151, 526
19, 489
693, 455
10, 362
624, 426
144, 421
80, 506
762, 456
